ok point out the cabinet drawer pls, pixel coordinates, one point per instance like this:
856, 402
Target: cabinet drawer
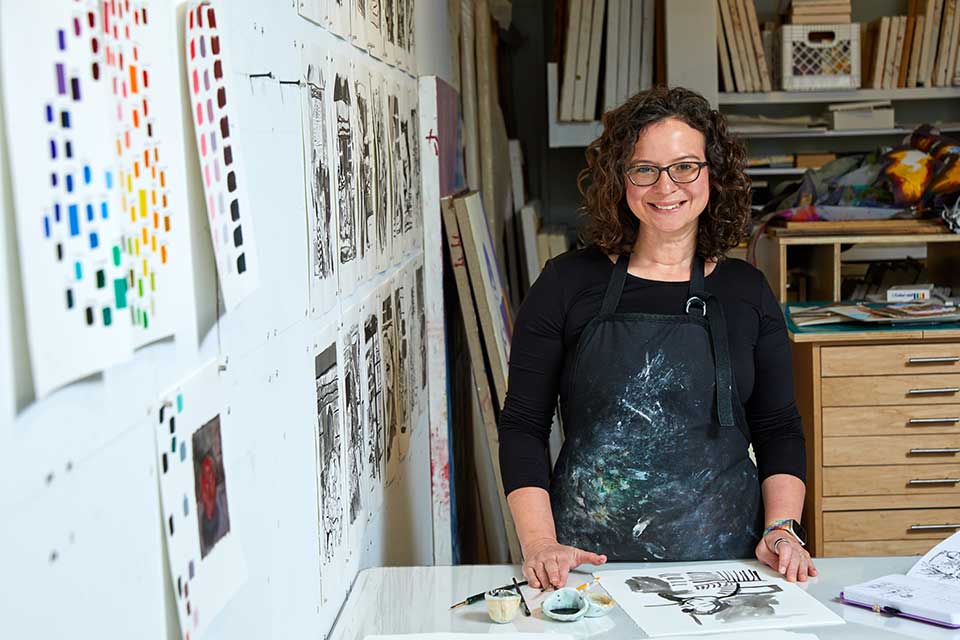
891, 420
889, 480
890, 359
911, 449
891, 524
875, 548
873, 390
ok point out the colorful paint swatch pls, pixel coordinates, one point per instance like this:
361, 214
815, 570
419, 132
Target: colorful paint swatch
206, 562
130, 47
66, 190
223, 176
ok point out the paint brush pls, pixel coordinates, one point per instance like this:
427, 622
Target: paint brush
523, 601
587, 584
477, 597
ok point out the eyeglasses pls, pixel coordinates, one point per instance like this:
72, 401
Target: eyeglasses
644, 175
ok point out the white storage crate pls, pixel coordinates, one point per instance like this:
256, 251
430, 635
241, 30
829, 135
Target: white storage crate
814, 57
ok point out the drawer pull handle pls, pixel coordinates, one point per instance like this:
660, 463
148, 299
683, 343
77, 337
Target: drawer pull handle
941, 450
935, 481
933, 527
932, 420
934, 360
919, 392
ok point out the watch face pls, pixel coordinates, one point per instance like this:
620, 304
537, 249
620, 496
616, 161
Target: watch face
799, 531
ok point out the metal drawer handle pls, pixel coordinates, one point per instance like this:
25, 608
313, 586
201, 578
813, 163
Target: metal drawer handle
929, 527
935, 481
918, 392
932, 420
941, 450
933, 360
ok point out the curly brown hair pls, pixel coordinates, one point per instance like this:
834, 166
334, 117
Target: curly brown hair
611, 225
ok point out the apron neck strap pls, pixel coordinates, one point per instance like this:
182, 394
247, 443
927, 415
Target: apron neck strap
697, 285
615, 287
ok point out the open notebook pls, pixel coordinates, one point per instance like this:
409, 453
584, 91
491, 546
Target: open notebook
930, 591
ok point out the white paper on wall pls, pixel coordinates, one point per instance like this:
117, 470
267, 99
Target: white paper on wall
318, 159
364, 176
397, 174
340, 13
705, 599
344, 177
350, 348
331, 460
372, 389
381, 172
316, 11
391, 379
374, 28
414, 241
401, 311
359, 22
66, 190
389, 27
193, 436
221, 162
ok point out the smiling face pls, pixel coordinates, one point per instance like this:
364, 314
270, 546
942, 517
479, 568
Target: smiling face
665, 207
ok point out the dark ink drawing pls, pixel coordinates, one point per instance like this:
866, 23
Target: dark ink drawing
402, 391
320, 205
346, 194
353, 416
374, 406
330, 450
366, 220
381, 172
389, 18
397, 175
390, 374
421, 320
945, 567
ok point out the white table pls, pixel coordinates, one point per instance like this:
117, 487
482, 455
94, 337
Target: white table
417, 600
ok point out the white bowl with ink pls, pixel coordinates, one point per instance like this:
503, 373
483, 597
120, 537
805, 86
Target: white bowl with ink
565, 605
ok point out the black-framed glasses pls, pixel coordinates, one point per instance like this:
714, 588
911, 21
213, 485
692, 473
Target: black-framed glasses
683, 172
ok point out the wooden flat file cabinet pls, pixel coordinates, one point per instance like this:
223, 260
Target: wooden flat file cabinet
881, 416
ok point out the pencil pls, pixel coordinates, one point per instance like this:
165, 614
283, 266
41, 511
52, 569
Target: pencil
523, 601
477, 597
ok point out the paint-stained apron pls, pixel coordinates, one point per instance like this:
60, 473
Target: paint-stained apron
655, 463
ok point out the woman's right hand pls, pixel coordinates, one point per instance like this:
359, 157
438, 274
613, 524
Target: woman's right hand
546, 563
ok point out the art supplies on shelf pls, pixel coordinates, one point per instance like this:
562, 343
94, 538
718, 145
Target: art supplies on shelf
929, 592
873, 313
909, 292
874, 114
820, 12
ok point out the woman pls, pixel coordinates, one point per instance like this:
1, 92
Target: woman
668, 359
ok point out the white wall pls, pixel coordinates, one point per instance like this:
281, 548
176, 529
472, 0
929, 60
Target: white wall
81, 535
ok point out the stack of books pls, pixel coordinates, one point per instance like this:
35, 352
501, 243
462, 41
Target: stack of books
744, 51
608, 39
917, 49
873, 313
820, 12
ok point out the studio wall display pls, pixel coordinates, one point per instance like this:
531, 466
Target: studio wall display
345, 163
206, 563
317, 149
221, 161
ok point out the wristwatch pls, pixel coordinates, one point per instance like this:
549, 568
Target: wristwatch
792, 527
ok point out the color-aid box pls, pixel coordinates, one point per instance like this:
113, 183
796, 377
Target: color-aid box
909, 292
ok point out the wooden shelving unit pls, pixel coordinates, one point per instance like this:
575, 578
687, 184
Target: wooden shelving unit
820, 256
824, 97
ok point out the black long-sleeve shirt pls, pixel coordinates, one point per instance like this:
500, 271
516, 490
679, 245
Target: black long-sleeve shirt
568, 294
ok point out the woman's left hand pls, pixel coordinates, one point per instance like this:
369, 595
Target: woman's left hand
788, 557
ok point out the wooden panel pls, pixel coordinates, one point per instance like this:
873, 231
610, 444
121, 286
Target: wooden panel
909, 449
889, 359
882, 390
890, 420
859, 526
886, 480
875, 548
806, 378
825, 273
910, 501
826, 227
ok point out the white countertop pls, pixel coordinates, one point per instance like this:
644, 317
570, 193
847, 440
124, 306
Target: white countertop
417, 600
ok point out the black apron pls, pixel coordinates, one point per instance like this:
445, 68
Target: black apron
655, 464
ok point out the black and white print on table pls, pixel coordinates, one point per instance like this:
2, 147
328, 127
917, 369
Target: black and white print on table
345, 187
224, 180
703, 599
322, 222
381, 178
331, 494
205, 560
363, 136
352, 413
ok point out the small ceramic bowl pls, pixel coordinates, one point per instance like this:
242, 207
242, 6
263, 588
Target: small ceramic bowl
502, 604
565, 605
600, 604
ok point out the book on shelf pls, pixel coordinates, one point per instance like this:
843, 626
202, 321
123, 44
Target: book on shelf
732, 49
929, 592
907, 43
813, 160
774, 161
571, 43
583, 59
589, 107
612, 56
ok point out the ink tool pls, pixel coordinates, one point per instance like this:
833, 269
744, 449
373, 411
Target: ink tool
565, 605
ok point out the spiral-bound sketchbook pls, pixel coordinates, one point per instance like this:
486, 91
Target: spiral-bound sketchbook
929, 592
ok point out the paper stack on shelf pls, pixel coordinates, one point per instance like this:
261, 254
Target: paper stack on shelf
875, 114
820, 12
